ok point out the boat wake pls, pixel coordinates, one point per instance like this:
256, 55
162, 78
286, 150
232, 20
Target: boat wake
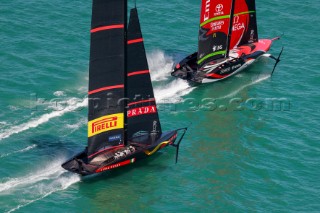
3, 123
71, 128
73, 105
172, 92
18, 151
166, 89
253, 82
76, 126
59, 93
160, 65
52, 171
38, 185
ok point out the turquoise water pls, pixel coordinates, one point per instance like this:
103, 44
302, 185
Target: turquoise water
255, 149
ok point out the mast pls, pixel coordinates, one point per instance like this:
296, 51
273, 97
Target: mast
230, 28
125, 119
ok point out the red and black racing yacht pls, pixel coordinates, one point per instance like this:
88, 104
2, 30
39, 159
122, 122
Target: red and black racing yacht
228, 42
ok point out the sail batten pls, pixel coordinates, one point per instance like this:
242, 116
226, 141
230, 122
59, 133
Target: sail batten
214, 19
109, 27
138, 72
143, 101
135, 41
106, 88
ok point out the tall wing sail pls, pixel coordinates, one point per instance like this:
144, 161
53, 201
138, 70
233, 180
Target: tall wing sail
214, 28
244, 28
106, 75
142, 111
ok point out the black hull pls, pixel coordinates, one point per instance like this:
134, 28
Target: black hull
196, 76
120, 156
219, 69
188, 71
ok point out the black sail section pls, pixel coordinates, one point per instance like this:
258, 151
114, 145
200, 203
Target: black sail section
251, 33
142, 111
106, 75
214, 30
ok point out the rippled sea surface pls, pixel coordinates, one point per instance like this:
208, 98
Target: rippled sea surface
253, 145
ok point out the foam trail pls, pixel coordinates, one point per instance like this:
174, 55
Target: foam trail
160, 65
59, 93
74, 105
77, 125
245, 86
160, 68
3, 125
40, 184
172, 92
18, 151
58, 185
74, 127
13, 108
28, 203
52, 171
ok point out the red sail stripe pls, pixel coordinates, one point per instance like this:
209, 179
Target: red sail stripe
109, 27
138, 73
105, 88
139, 102
135, 41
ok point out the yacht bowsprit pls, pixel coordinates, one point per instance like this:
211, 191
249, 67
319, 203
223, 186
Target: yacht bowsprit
123, 122
228, 42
